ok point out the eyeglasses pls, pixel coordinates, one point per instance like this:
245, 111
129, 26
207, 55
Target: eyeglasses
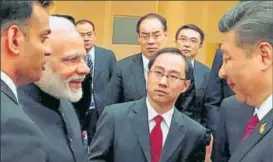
186, 40
170, 77
147, 36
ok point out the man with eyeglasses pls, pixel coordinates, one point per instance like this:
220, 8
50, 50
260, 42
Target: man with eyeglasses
152, 129
128, 79
189, 39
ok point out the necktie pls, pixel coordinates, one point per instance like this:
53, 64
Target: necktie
90, 64
156, 138
251, 124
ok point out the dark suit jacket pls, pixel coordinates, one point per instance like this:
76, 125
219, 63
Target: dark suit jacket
258, 146
233, 118
128, 81
217, 90
21, 139
191, 102
57, 120
123, 136
104, 64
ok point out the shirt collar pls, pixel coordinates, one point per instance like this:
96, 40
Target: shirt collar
192, 63
9, 83
152, 113
265, 107
145, 63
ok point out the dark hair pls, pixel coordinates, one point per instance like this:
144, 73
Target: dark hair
152, 16
251, 21
68, 17
192, 27
18, 12
175, 51
82, 21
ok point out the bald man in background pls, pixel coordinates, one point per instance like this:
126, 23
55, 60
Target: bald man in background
47, 102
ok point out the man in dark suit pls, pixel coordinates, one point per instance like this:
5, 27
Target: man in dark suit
151, 129
47, 101
247, 45
233, 117
217, 90
22, 56
189, 38
102, 62
128, 79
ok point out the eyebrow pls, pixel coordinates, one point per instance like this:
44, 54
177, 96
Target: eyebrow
46, 32
152, 32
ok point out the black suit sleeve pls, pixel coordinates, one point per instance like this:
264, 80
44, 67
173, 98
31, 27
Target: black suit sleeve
199, 152
214, 95
221, 151
101, 147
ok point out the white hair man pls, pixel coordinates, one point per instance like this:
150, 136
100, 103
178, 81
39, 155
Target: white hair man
47, 100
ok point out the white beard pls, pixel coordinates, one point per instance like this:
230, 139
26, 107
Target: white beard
53, 84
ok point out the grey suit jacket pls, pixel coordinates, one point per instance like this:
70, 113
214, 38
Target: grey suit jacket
128, 81
258, 146
21, 139
230, 129
105, 61
123, 136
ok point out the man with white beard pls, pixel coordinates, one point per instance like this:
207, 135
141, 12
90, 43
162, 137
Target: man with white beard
48, 101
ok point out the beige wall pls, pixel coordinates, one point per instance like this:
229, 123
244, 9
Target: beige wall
205, 14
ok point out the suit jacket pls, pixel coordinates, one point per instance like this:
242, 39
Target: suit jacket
103, 68
21, 139
128, 81
258, 145
217, 90
58, 122
233, 118
123, 135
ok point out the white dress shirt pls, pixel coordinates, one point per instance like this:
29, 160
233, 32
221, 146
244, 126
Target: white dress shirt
165, 124
265, 107
9, 83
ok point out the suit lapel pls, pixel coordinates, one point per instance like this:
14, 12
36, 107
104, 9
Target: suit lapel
254, 137
138, 75
139, 120
174, 137
5, 89
98, 62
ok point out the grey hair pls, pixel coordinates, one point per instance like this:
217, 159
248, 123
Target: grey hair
252, 22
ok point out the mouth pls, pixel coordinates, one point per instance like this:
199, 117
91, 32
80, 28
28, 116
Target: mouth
151, 49
231, 85
161, 92
186, 51
77, 83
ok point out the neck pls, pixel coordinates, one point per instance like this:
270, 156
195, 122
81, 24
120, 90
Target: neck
88, 50
160, 108
265, 90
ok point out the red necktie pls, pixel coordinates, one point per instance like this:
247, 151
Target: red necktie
251, 124
156, 138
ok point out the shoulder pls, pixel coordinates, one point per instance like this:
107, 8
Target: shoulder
202, 66
120, 109
193, 126
105, 51
129, 60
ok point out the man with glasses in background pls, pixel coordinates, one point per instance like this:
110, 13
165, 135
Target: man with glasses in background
152, 129
128, 79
